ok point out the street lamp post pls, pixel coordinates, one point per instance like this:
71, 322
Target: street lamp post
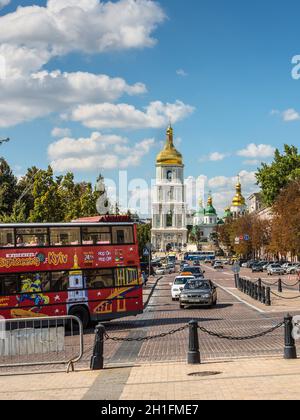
4, 141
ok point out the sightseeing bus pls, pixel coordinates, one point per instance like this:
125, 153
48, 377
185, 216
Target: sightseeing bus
200, 256
87, 269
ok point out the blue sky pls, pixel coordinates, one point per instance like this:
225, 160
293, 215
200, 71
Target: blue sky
220, 70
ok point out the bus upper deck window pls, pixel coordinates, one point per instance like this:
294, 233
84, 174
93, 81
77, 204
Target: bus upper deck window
122, 235
96, 236
31, 237
7, 238
64, 236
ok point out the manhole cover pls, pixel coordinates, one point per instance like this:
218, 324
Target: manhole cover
204, 374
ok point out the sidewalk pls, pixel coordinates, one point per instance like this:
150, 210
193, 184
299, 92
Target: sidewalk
254, 379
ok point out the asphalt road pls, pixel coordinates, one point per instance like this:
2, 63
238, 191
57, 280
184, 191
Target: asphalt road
230, 317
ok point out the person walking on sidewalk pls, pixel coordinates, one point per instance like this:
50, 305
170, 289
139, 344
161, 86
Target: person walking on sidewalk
145, 278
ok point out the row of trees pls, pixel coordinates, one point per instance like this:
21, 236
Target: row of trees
279, 235
39, 196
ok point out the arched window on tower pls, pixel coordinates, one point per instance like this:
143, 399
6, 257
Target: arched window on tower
169, 175
170, 219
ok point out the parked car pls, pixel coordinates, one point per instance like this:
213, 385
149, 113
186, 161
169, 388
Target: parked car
275, 269
294, 269
160, 271
218, 265
256, 268
178, 285
198, 292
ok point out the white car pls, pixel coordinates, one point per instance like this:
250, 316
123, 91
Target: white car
275, 269
294, 269
178, 285
160, 271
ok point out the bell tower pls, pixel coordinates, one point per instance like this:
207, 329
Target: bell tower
169, 202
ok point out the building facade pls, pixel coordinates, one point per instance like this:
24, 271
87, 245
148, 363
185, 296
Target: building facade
169, 208
205, 221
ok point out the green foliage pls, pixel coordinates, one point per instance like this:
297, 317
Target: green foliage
8, 188
144, 236
276, 176
39, 196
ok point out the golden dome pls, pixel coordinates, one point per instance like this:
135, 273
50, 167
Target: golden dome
238, 200
169, 155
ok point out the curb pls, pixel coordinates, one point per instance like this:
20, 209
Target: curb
151, 293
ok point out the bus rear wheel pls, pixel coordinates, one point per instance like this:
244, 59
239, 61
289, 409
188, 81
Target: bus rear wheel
81, 313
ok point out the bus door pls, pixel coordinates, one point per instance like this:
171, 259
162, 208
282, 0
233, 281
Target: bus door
76, 292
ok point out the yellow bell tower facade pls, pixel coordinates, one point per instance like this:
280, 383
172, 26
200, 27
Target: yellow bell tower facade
169, 208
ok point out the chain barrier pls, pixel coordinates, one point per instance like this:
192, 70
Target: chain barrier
290, 285
285, 298
249, 337
142, 339
203, 329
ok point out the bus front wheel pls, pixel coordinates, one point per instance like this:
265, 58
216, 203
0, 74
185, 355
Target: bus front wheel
81, 313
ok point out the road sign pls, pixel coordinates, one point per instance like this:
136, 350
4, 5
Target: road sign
247, 238
236, 268
237, 241
146, 252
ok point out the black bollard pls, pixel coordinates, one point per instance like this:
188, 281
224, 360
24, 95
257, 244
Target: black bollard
259, 283
290, 351
263, 295
259, 293
256, 292
279, 286
268, 296
194, 353
97, 360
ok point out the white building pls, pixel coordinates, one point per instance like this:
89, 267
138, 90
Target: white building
205, 220
169, 203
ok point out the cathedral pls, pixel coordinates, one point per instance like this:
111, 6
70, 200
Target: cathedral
169, 226
169, 208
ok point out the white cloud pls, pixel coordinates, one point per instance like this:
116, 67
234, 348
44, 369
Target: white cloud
253, 162
181, 72
83, 25
223, 188
253, 151
4, 3
97, 151
214, 157
290, 115
107, 115
27, 98
60, 132
31, 36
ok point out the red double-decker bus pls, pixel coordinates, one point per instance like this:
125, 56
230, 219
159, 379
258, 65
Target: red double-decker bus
89, 269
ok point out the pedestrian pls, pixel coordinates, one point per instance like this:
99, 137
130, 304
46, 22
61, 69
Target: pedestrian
145, 278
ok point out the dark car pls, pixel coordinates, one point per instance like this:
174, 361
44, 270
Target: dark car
257, 268
198, 292
196, 271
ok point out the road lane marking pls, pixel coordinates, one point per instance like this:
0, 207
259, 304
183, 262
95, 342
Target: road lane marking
240, 299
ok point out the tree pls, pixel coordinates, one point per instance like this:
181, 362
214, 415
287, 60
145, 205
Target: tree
25, 190
144, 236
47, 199
285, 236
8, 188
274, 177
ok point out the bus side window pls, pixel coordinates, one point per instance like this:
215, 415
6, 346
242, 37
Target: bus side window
7, 238
122, 235
10, 284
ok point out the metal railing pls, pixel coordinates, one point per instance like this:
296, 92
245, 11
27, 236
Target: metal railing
41, 341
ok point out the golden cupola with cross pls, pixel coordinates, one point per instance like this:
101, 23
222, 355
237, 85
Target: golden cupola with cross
238, 200
238, 206
169, 156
